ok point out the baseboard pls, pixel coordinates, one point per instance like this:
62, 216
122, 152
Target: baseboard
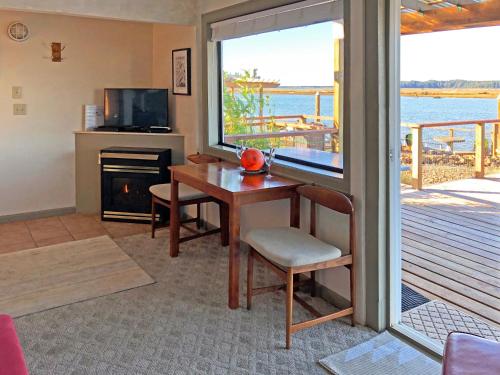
37, 214
331, 297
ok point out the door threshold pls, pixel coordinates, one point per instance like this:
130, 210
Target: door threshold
419, 340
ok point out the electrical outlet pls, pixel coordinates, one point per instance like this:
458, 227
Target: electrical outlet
17, 92
19, 109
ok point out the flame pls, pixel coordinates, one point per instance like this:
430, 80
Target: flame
125, 189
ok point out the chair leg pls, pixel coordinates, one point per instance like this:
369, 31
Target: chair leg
198, 215
313, 283
249, 278
289, 307
153, 218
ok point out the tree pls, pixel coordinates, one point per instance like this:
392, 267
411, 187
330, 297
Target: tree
245, 102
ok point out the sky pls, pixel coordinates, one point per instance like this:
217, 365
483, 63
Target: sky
303, 56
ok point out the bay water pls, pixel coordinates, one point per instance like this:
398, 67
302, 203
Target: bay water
413, 110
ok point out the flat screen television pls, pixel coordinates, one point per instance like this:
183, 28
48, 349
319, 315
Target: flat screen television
136, 109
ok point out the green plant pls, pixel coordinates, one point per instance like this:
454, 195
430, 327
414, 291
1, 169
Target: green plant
244, 102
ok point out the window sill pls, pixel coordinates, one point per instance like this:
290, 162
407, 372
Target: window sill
292, 170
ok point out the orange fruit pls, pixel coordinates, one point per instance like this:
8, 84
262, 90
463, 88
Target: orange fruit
252, 159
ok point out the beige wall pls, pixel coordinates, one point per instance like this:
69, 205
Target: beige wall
164, 11
182, 108
332, 228
37, 150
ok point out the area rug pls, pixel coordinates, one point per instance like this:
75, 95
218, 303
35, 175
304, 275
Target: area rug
383, 354
180, 325
436, 319
52, 276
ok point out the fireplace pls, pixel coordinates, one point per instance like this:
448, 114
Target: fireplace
126, 175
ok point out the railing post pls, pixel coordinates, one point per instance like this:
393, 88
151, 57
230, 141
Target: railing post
479, 151
495, 136
416, 158
451, 143
261, 101
317, 106
495, 140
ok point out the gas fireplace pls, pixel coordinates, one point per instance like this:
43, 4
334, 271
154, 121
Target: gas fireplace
126, 175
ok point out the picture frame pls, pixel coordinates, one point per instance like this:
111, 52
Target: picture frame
181, 71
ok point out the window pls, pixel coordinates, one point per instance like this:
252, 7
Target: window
280, 83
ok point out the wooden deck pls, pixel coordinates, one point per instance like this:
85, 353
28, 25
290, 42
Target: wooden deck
451, 244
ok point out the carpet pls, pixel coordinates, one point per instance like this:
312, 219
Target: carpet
52, 276
381, 355
181, 324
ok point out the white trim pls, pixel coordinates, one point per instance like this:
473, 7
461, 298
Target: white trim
394, 187
280, 18
419, 339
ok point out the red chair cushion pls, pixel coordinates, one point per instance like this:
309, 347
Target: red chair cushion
466, 354
11, 354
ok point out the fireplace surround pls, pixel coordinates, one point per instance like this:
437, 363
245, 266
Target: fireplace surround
126, 175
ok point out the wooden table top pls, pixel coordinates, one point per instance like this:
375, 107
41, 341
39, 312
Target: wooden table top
228, 176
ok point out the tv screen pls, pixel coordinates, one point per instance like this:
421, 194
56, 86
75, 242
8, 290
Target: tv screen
135, 107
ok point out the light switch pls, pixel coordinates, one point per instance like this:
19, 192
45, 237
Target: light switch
17, 92
19, 109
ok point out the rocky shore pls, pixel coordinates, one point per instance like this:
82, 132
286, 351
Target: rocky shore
441, 167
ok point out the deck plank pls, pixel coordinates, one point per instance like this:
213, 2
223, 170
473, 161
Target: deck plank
451, 244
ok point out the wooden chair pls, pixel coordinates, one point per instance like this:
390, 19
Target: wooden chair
189, 196
289, 252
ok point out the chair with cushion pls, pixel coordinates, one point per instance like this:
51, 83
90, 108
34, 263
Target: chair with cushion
290, 251
189, 196
466, 354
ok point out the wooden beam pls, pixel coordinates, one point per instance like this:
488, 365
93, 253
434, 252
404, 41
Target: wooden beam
482, 14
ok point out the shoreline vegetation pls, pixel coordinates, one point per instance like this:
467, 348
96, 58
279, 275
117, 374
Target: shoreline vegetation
473, 93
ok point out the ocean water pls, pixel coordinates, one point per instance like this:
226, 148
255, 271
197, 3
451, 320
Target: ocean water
413, 110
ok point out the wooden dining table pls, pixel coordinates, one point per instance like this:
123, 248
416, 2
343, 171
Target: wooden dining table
227, 183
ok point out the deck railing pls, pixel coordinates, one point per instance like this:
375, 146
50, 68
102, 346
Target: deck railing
479, 146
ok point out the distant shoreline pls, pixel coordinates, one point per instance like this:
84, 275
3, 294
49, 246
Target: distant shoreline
476, 93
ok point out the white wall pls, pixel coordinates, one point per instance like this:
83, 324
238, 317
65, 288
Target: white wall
37, 150
164, 11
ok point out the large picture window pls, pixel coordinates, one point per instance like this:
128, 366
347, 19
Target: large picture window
282, 88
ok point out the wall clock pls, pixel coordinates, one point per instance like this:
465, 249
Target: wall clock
18, 31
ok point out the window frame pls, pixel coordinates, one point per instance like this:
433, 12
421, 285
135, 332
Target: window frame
211, 142
221, 142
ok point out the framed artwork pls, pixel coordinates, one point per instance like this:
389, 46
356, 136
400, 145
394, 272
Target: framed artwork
181, 71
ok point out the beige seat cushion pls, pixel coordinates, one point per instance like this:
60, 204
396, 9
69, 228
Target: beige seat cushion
290, 247
162, 191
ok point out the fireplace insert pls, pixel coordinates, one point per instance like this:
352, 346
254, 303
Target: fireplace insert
126, 175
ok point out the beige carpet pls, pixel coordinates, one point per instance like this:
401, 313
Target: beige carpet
47, 277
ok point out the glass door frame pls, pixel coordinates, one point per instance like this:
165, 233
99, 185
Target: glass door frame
394, 261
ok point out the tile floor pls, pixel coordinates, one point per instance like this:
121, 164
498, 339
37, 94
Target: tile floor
21, 235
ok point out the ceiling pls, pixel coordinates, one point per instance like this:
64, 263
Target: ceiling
425, 16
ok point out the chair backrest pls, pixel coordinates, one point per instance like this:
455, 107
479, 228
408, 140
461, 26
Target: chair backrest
333, 200
202, 158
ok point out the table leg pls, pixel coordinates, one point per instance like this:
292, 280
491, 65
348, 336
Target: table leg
234, 256
224, 223
295, 210
174, 218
